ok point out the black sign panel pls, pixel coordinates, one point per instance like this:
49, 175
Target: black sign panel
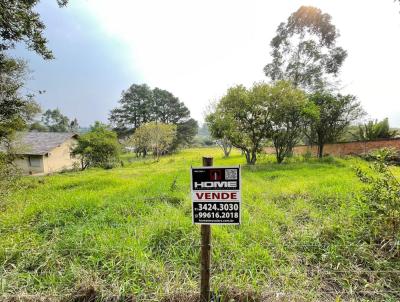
216, 195
211, 179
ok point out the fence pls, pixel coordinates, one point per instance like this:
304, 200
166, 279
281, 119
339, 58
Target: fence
347, 148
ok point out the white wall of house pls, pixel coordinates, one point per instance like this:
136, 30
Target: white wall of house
56, 160
60, 158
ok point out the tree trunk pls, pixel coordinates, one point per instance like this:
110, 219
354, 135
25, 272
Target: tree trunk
253, 157
279, 157
227, 150
320, 150
247, 154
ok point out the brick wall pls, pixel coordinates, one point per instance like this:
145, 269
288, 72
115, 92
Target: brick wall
350, 148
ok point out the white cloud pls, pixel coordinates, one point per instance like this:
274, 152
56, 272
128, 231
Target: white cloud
196, 49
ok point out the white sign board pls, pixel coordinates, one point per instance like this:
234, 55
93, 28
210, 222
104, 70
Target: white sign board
216, 195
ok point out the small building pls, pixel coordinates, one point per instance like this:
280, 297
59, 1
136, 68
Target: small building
45, 152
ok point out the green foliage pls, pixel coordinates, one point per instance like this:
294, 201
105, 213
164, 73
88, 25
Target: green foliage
290, 109
9, 175
140, 104
386, 155
55, 121
185, 133
334, 115
244, 117
127, 233
16, 110
382, 200
219, 130
155, 137
373, 130
304, 50
98, 148
20, 23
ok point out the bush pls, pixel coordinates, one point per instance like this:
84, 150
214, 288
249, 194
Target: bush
9, 174
381, 198
386, 155
98, 148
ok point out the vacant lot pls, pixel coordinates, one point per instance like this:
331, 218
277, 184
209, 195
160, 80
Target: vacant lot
127, 232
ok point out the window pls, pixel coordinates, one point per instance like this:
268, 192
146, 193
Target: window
35, 161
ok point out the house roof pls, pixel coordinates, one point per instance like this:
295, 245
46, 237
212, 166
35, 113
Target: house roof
40, 143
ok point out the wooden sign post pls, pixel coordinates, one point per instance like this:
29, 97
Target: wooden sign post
216, 199
205, 251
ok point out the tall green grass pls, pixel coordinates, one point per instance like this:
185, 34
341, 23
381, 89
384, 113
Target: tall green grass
128, 232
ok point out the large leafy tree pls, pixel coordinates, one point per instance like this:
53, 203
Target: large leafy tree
167, 108
335, 112
55, 121
140, 104
304, 50
134, 109
290, 109
246, 115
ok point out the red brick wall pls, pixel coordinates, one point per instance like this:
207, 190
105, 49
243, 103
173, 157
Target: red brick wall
351, 148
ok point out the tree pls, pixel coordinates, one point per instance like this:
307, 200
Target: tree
134, 110
186, 131
219, 130
167, 108
73, 126
55, 121
20, 23
98, 148
290, 110
335, 113
161, 137
16, 110
139, 141
373, 130
247, 118
304, 50
38, 127
153, 136
140, 104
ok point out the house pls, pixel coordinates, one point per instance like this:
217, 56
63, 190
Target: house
45, 152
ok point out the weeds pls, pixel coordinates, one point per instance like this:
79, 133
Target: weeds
126, 234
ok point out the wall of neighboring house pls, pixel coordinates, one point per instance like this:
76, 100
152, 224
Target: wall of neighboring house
30, 164
350, 148
60, 158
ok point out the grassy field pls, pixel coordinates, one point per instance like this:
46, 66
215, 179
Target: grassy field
127, 232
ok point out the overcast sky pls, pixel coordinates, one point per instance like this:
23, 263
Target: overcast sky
197, 49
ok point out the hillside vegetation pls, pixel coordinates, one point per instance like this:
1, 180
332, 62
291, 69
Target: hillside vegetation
128, 232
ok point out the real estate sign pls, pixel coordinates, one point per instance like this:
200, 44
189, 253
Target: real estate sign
216, 197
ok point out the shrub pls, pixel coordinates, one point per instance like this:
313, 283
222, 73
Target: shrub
98, 148
9, 174
382, 200
386, 155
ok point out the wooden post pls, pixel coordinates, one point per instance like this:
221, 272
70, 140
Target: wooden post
205, 251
